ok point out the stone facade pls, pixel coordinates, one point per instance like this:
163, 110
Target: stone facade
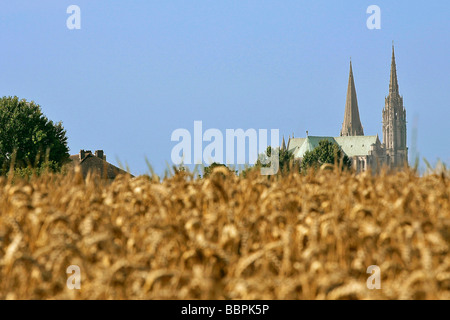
367, 151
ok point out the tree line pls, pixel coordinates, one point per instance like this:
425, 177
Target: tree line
326, 152
31, 143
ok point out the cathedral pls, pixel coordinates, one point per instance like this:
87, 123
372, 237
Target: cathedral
366, 151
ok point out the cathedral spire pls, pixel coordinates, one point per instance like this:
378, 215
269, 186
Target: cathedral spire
393, 84
283, 145
352, 123
394, 122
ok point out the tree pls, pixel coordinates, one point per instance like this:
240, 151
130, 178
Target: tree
208, 170
325, 152
286, 159
27, 137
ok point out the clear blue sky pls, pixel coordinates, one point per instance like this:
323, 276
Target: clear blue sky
138, 70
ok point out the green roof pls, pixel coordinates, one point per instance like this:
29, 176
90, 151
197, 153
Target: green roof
356, 145
351, 145
295, 143
310, 144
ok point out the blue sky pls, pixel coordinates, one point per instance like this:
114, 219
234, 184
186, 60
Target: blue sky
138, 70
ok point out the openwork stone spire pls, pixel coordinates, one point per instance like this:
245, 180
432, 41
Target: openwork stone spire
393, 84
394, 123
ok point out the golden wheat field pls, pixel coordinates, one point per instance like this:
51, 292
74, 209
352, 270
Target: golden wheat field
226, 237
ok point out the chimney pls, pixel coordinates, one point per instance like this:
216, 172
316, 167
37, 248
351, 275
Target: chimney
82, 155
99, 154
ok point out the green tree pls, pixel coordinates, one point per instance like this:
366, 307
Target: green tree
208, 170
286, 160
28, 137
325, 152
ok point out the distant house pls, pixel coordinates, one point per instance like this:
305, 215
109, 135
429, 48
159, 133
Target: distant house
95, 163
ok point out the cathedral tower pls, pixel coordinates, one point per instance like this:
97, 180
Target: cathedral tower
352, 124
394, 123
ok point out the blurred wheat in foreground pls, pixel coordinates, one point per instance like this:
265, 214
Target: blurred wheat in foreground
226, 237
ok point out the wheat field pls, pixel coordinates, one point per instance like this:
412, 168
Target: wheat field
225, 237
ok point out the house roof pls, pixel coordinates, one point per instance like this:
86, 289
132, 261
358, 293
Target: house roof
95, 164
351, 145
75, 158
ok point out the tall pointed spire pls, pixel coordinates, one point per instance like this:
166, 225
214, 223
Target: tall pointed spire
394, 122
393, 84
352, 123
283, 145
